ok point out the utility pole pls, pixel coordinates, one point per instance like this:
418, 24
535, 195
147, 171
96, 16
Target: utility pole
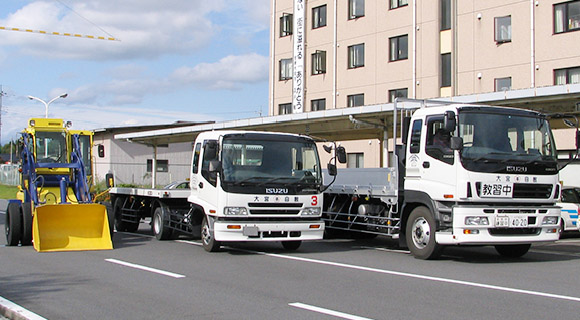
2, 93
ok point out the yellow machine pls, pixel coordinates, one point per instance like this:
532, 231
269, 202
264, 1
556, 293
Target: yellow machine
54, 209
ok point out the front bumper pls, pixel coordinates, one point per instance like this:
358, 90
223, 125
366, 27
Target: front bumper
491, 234
268, 231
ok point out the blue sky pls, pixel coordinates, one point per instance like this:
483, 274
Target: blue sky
176, 60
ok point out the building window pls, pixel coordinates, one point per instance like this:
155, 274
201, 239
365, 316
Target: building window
567, 76
399, 48
503, 84
445, 15
286, 25
503, 29
162, 165
319, 104
398, 3
319, 62
355, 160
567, 16
446, 70
356, 100
398, 93
285, 108
319, 17
356, 9
285, 69
356, 56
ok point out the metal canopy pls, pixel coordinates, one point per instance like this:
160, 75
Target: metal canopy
335, 124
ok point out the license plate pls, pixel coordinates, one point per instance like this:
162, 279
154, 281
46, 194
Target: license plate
511, 221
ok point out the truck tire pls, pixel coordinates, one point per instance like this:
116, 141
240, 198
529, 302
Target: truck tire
158, 226
13, 224
291, 245
26, 224
512, 250
207, 239
420, 234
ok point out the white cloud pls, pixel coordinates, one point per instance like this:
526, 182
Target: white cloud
147, 28
230, 72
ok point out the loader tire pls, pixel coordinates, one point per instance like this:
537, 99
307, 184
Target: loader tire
207, 237
158, 227
26, 224
13, 224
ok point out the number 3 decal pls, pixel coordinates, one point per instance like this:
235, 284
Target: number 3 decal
314, 201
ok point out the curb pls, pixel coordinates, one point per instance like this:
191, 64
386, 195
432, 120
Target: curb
13, 311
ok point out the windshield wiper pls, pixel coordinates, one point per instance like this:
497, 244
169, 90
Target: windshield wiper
244, 181
484, 157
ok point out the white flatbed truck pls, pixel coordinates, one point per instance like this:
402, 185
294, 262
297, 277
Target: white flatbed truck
492, 181
244, 186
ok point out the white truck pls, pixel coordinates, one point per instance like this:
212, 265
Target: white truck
244, 186
465, 175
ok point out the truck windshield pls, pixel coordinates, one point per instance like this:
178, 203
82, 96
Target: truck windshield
505, 139
51, 147
277, 162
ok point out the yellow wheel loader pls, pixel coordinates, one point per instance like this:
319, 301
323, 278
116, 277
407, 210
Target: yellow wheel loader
54, 209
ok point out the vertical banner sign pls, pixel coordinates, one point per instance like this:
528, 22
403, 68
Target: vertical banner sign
298, 63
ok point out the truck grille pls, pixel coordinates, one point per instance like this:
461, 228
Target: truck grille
532, 191
275, 208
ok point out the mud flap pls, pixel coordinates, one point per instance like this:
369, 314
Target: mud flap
71, 227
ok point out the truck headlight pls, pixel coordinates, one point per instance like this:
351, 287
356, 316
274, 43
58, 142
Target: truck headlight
476, 221
550, 220
314, 211
235, 211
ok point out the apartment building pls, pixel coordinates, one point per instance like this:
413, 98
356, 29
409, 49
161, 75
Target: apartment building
328, 54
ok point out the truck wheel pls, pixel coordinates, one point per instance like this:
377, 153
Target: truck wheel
420, 234
26, 224
207, 239
158, 227
118, 212
121, 225
291, 245
512, 250
13, 224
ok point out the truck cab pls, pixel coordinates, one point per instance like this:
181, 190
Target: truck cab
256, 186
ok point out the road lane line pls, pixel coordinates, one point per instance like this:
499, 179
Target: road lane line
14, 311
386, 250
418, 276
140, 267
327, 311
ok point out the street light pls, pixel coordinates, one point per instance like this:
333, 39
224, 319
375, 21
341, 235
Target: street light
64, 95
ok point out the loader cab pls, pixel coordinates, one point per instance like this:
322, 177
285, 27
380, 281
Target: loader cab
85, 145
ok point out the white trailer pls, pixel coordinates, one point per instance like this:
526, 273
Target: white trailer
491, 180
244, 186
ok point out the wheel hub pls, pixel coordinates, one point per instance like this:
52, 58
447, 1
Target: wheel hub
421, 233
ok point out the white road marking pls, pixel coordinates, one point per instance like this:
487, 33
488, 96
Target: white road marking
140, 267
386, 250
327, 311
190, 242
419, 276
14, 311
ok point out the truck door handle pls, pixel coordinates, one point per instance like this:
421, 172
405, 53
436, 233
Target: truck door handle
200, 184
426, 164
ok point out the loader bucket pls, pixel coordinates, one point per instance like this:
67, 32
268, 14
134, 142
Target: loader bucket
71, 227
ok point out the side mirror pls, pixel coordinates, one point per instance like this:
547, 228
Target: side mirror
449, 122
406, 126
332, 169
341, 154
456, 143
577, 140
215, 166
101, 150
